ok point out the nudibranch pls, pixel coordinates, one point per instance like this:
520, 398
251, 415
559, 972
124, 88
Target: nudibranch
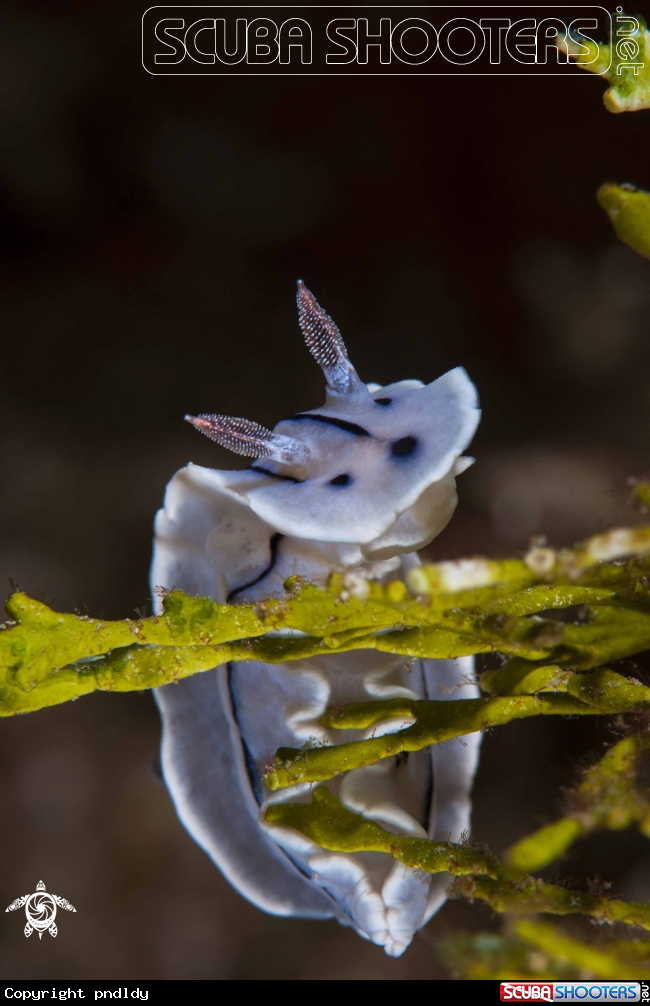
356, 486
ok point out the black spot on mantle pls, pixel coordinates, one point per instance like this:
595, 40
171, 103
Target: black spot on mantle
403, 448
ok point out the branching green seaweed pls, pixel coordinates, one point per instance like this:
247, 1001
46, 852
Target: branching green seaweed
628, 209
625, 66
601, 692
533, 951
522, 608
478, 873
448, 609
610, 796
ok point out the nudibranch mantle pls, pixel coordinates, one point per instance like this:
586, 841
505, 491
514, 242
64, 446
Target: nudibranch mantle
356, 486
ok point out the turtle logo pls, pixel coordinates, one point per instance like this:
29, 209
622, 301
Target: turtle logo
40, 909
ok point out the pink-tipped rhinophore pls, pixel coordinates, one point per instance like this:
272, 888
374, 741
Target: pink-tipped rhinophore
324, 342
250, 439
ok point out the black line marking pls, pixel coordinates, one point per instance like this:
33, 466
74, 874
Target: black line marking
273, 475
340, 480
273, 545
383, 401
331, 421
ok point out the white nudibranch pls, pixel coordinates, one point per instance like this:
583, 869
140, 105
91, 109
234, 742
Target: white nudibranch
355, 487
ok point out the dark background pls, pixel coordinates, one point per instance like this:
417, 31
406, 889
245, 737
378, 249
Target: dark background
151, 233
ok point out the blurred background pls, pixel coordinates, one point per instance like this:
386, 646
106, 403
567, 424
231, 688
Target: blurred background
151, 233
